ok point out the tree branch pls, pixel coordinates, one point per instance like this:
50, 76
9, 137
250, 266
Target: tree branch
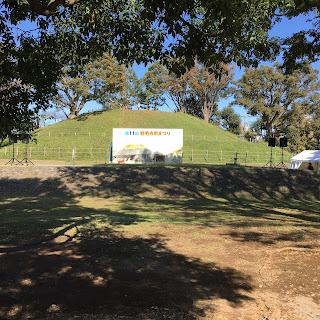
194, 28
51, 8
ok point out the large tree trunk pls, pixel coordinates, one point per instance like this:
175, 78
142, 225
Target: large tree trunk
73, 115
206, 112
73, 111
76, 107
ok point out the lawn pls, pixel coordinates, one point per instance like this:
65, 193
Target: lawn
134, 242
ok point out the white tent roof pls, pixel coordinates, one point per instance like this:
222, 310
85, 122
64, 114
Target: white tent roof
311, 156
307, 156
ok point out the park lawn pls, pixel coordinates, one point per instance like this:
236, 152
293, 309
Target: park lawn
188, 242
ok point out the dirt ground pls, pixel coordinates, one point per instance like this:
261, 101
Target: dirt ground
159, 270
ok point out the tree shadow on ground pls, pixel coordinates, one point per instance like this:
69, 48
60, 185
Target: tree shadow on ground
239, 198
79, 266
231, 184
104, 272
85, 116
35, 211
54, 258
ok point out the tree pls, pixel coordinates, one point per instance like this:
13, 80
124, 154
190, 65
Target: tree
179, 92
255, 130
127, 90
23, 80
208, 87
315, 129
230, 120
96, 81
304, 44
269, 93
295, 125
258, 127
71, 33
73, 94
154, 83
198, 90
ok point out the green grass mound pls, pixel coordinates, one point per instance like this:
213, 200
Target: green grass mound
88, 138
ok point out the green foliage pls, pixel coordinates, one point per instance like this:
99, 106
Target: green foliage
127, 90
230, 120
104, 80
74, 32
304, 44
154, 83
258, 127
280, 100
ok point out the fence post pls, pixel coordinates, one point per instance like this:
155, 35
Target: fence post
73, 156
91, 153
49, 134
191, 155
192, 137
5, 151
221, 156
59, 153
207, 155
30, 152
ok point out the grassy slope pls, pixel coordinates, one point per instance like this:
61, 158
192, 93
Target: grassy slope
93, 133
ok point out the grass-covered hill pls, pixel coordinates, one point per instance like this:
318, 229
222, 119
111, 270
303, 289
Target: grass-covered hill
90, 136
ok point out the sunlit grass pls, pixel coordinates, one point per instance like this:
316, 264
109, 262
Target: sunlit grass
90, 136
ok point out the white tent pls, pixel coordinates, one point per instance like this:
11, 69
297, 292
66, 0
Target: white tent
302, 160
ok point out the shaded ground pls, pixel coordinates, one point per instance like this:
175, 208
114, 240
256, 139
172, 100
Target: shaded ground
159, 243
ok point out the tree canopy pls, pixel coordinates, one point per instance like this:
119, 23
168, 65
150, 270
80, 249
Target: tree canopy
97, 81
285, 103
230, 120
154, 86
71, 33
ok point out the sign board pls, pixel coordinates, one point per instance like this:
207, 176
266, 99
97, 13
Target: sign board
147, 145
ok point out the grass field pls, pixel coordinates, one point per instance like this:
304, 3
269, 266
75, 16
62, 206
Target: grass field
90, 136
187, 242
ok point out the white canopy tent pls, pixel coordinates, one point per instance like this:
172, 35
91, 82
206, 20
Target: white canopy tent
302, 160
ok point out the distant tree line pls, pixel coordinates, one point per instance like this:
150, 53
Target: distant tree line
284, 104
196, 92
